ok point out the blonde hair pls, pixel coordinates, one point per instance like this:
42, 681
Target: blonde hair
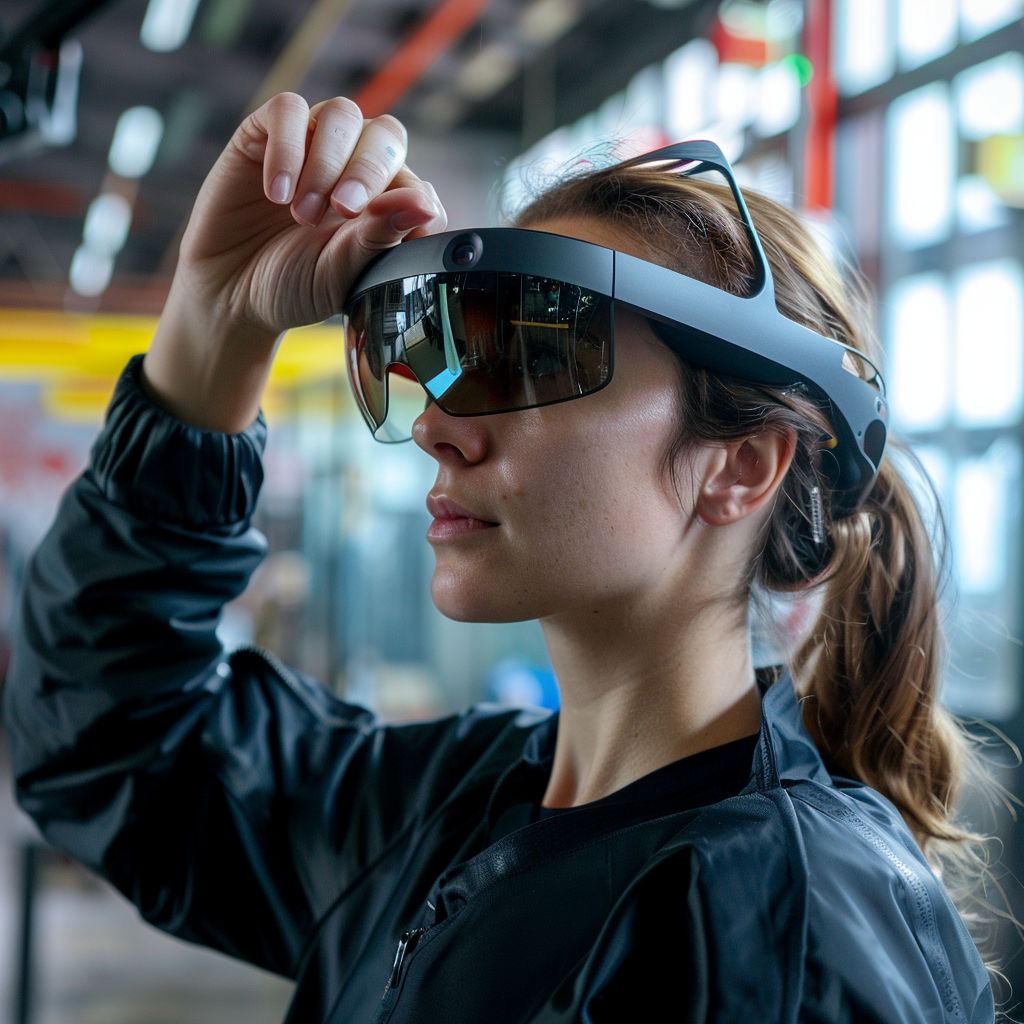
872, 661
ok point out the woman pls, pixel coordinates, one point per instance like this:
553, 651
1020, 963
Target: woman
669, 843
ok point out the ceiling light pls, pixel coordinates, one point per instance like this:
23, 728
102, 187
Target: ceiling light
90, 271
784, 19
107, 223
136, 140
544, 21
440, 110
167, 24
484, 74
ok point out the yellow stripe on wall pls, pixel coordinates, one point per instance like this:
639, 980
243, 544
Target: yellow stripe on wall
79, 357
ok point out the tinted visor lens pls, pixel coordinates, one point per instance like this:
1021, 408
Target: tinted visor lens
478, 342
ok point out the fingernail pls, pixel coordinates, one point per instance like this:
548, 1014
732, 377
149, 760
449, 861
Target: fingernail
406, 220
309, 208
352, 195
281, 188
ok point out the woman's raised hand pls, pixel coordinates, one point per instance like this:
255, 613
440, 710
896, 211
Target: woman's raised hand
297, 204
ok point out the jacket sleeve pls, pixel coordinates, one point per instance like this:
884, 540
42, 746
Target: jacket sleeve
232, 800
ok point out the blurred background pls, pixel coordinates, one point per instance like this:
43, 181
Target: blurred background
896, 126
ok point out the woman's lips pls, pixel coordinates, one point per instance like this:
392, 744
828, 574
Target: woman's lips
452, 520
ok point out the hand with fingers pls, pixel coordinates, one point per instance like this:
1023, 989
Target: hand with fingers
297, 204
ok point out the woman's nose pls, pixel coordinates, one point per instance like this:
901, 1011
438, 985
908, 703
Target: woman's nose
461, 440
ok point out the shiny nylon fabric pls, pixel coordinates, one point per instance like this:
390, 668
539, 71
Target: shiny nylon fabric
240, 805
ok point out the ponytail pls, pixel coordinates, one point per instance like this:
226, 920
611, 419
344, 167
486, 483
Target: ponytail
873, 662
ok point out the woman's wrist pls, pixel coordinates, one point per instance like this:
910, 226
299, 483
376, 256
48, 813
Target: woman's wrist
205, 368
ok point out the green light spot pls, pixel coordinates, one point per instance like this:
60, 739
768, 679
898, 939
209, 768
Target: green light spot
801, 67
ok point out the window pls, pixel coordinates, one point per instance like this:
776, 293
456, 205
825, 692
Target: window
926, 29
919, 345
865, 54
922, 166
979, 17
989, 339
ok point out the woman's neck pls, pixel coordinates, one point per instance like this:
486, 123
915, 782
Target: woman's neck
637, 694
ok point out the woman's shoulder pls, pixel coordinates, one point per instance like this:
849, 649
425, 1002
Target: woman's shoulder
844, 897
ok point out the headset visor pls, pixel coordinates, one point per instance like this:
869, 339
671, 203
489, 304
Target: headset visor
478, 342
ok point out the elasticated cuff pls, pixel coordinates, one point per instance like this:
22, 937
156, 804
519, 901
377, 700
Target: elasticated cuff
150, 462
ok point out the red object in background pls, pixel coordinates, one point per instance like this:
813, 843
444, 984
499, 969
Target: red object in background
54, 198
448, 21
738, 49
823, 101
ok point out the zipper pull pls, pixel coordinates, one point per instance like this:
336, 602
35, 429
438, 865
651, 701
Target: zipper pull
403, 944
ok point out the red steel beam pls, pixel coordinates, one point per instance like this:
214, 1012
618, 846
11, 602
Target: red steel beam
823, 99
53, 198
443, 26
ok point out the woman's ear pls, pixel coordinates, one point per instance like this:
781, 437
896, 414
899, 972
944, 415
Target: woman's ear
743, 476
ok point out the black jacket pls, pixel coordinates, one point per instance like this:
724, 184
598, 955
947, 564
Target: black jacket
239, 805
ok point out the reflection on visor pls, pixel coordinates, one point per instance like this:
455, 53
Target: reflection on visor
478, 342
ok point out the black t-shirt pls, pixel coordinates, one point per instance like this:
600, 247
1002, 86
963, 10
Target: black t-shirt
694, 781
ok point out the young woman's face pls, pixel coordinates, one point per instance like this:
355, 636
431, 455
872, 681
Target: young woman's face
564, 508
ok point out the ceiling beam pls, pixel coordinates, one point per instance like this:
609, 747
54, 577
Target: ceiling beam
445, 24
300, 51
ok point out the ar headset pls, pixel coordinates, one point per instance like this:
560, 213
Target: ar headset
502, 319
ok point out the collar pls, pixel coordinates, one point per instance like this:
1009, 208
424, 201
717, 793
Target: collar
785, 749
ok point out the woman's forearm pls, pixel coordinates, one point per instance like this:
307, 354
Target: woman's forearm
207, 369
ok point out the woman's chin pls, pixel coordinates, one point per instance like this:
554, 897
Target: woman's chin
473, 600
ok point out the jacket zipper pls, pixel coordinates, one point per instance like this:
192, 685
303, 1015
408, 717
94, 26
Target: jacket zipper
403, 945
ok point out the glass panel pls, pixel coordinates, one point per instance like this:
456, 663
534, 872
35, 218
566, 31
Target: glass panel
778, 99
865, 54
925, 30
985, 496
922, 166
978, 208
990, 344
736, 94
690, 76
936, 465
979, 17
919, 345
990, 98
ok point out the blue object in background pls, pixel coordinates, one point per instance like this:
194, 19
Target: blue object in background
514, 681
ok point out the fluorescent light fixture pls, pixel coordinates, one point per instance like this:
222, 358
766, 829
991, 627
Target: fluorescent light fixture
440, 110
544, 21
990, 97
919, 332
90, 271
167, 24
690, 76
922, 166
136, 140
743, 18
990, 344
487, 71
926, 30
865, 54
979, 17
784, 19
106, 224
58, 124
